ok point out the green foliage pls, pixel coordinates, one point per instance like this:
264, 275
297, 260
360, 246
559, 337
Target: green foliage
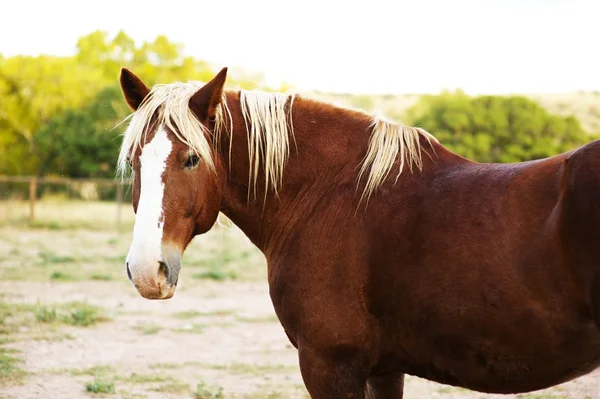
217, 274
58, 115
45, 314
10, 372
84, 315
205, 392
33, 89
100, 386
83, 142
75, 313
496, 128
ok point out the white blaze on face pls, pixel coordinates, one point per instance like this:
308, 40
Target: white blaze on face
145, 249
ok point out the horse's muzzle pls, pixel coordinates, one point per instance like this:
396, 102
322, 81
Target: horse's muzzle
155, 280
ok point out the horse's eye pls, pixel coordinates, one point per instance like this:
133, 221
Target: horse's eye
192, 161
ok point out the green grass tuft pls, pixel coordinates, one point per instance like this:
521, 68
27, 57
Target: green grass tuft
205, 392
188, 314
45, 314
147, 378
49, 257
10, 372
101, 277
84, 315
147, 329
216, 274
96, 371
100, 386
61, 276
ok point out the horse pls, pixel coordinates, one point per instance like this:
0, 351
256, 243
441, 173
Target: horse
387, 253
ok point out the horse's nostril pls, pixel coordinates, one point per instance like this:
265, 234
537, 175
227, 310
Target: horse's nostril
128, 272
163, 269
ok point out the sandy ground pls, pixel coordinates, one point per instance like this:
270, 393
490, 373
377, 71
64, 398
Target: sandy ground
222, 334
229, 339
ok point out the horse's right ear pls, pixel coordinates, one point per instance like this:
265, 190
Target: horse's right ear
134, 90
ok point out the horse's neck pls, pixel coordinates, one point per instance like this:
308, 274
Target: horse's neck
325, 152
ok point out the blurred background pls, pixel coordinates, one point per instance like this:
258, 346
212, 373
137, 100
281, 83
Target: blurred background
495, 81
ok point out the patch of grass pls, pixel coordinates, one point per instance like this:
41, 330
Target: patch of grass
253, 369
49, 257
8, 309
542, 396
53, 337
44, 224
264, 319
205, 392
74, 313
83, 314
10, 372
147, 378
100, 386
45, 314
221, 312
13, 316
101, 277
166, 366
95, 371
188, 314
173, 365
61, 276
216, 274
174, 387
147, 329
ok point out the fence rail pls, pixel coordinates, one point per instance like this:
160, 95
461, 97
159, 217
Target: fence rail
35, 182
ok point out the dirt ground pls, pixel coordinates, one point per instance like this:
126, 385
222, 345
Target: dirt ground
217, 338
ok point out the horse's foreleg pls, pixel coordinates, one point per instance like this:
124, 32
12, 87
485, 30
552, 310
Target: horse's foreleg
333, 374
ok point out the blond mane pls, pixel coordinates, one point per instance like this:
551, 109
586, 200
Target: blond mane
390, 141
268, 119
170, 103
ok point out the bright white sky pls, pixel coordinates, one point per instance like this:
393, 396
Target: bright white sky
368, 46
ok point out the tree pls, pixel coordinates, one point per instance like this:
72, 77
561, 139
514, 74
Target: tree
46, 102
33, 89
496, 128
84, 142
36, 90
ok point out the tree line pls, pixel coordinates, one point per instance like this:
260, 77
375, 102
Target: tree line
58, 114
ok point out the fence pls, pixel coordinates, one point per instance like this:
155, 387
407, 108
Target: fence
32, 189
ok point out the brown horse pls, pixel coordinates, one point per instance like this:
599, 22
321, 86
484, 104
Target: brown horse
387, 253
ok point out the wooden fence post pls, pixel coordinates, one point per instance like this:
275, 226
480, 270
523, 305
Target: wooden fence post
32, 197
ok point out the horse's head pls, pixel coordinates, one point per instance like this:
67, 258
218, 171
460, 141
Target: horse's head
176, 192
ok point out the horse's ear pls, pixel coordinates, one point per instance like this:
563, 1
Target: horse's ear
134, 90
205, 101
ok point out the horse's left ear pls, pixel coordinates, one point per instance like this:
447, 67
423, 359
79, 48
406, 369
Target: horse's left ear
205, 101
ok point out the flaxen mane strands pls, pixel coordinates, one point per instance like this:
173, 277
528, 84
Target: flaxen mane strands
269, 126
